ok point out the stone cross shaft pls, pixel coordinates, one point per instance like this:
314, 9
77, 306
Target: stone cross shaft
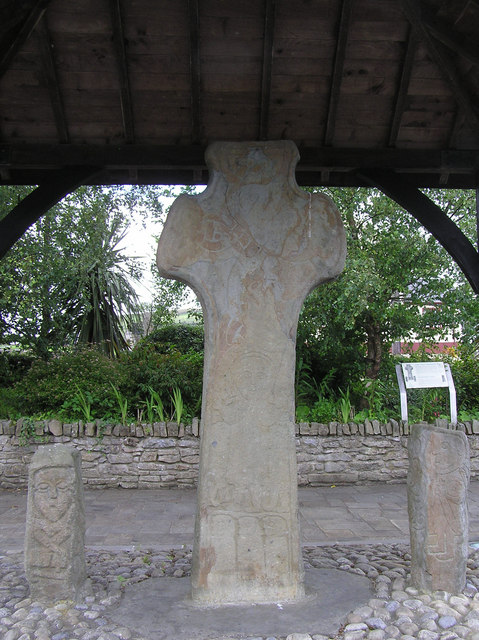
252, 246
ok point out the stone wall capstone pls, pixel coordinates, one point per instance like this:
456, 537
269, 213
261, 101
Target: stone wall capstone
166, 455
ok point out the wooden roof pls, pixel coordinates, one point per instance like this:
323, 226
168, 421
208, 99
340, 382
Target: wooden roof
138, 88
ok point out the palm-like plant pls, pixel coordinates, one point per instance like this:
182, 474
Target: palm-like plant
106, 300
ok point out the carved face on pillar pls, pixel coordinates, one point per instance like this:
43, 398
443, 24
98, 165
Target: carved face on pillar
53, 492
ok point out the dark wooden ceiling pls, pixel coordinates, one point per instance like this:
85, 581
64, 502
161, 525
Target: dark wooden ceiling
137, 88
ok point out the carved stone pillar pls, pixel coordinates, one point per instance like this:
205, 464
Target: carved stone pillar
55, 531
438, 480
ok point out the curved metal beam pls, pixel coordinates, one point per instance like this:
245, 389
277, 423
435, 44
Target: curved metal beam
31, 208
431, 217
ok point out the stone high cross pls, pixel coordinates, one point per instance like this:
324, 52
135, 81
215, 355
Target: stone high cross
251, 246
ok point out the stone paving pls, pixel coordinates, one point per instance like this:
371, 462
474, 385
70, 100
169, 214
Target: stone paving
165, 517
139, 537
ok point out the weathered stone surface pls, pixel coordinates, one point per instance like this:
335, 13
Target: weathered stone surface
438, 480
252, 246
55, 427
55, 528
90, 429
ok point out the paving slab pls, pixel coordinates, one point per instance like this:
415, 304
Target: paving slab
164, 518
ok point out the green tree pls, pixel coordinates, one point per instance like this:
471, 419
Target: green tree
394, 271
67, 280
169, 295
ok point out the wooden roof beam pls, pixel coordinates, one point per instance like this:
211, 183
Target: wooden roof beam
268, 42
457, 47
53, 156
195, 69
339, 57
431, 217
412, 10
122, 65
401, 94
444, 34
49, 70
11, 43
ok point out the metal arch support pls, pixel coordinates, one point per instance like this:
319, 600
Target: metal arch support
431, 217
37, 203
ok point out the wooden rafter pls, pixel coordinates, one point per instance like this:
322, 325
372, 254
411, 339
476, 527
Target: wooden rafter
12, 43
401, 94
339, 57
412, 9
51, 77
445, 36
431, 217
31, 208
268, 41
121, 59
455, 128
195, 69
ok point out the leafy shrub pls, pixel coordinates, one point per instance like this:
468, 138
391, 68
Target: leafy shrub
13, 366
179, 337
9, 405
324, 410
146, 369
465, 372
52, 386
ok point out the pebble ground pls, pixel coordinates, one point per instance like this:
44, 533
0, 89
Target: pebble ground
394, 612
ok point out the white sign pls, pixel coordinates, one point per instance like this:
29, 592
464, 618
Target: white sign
424, 375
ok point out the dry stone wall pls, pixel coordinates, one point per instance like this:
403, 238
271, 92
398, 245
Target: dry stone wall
167, 455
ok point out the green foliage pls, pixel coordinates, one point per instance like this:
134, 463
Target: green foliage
344, 405
154, 407
147, 369
27, 431
84, 400
324, 410
182, 337
170, 295
465, 372
13, 366
122, 403
9, 403
67, 281
398, 284
178, 404
426, 405
49, 386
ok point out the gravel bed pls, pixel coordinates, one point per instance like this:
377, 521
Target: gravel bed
394, 612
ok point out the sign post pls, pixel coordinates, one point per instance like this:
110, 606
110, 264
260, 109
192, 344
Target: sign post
425, 375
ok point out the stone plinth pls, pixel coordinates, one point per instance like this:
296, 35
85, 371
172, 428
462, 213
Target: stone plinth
252, 246
55, 531
438, 481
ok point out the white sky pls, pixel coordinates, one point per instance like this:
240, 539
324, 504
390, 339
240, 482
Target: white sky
140, 242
